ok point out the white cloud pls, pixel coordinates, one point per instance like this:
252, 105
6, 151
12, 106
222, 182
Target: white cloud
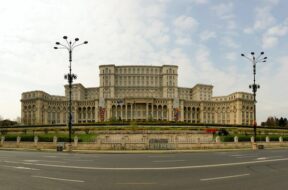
184, 27
272, 93
263, 17
224, 11
206, 35
231, 56
185, 23
269, 42
200, 1
229, 42
271, 37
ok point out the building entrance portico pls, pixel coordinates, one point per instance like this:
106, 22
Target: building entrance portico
139, 110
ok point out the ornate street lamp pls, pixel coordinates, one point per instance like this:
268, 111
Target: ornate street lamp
70, 46
253, 59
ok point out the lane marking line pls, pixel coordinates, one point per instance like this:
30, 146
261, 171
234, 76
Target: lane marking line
168, 161
58, 179
224, 177
135, 183
262, 158
19, 167
44, 161
270, 157
159, 168
245, 157
79, 160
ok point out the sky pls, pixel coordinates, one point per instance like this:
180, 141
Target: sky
205, 38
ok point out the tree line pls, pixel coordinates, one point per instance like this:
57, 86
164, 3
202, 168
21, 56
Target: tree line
275, 122
7, 122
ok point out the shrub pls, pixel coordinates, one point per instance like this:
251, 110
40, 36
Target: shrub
227, 139
244, 138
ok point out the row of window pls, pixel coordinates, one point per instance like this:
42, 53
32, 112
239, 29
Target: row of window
138, 70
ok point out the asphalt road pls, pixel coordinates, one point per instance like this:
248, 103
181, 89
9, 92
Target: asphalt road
237, 170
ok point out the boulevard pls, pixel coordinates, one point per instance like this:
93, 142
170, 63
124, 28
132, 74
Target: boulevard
260, 169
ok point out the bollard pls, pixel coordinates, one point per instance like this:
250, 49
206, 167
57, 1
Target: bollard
280, 139
2, 140
236, 139
18, 139
35, 140
267, 139
75, 141
217, 139
252, 139
54, 140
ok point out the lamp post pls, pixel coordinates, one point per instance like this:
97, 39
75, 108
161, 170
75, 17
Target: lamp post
70, 46
255, 59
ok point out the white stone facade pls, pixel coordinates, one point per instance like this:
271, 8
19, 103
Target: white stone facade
141, 93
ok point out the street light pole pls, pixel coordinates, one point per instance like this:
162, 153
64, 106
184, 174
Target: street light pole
255, 86
69, 45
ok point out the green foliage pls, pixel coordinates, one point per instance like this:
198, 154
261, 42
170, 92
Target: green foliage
243, 138
227, 139
7, 123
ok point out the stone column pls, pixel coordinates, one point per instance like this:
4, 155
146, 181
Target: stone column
126, 112
191, 116
181, 111
121, 112
280, 139
147, 111
116, 111
76, 114
236, 139
157, 112
162, 111
131, 115
267, 139
152, 114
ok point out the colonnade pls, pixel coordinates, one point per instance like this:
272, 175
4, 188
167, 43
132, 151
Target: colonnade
192, 114
139, 111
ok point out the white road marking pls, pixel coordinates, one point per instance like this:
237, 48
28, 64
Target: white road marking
270, 157
43, 161
224, 177
262, 158
19, 167
168, 161
58, 179
159, 168
78, 160
25, 168
134, 183
246, 156
243, 155
160, 156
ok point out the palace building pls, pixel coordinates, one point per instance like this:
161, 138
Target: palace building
141, 93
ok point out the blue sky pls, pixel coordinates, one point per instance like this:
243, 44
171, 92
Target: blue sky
204, 37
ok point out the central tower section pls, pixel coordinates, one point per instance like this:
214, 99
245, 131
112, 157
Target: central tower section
138, 81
